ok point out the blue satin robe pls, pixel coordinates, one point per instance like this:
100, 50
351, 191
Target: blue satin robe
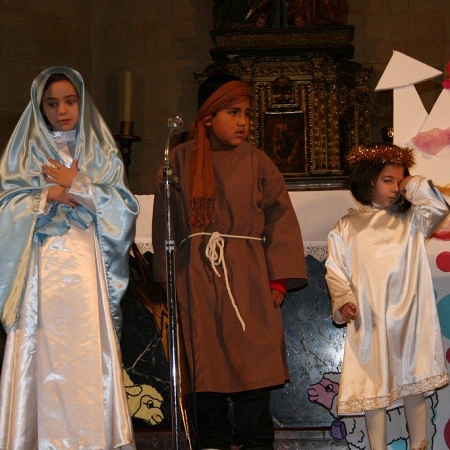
64, 273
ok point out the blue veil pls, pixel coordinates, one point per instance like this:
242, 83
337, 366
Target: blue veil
21, 185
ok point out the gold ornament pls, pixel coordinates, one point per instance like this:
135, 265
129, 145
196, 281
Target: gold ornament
382, 153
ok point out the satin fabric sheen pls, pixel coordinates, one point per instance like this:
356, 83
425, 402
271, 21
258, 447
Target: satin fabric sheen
22, 182
62, 282
377, 260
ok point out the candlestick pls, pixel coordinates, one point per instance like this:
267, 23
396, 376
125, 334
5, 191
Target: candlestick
126, 139
127, 95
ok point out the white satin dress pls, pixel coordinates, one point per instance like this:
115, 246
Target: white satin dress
63, 384
377, 260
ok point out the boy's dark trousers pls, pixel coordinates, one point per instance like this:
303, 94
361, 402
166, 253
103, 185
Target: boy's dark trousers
222, 420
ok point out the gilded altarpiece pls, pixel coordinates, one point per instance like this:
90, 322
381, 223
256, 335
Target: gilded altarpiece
310, 103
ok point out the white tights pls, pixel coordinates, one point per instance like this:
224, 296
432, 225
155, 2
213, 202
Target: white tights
376, 428
416, 418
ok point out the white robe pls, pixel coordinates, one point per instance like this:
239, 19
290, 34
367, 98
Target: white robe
377, 260
62, 384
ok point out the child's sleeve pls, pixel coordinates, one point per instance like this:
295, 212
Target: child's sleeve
279, 285
44, 207
429, 206
283, 243
82, 191
337, 276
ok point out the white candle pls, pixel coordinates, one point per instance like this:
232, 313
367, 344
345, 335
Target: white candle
127, 95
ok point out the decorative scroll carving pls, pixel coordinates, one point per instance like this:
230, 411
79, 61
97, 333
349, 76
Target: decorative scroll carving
308, 37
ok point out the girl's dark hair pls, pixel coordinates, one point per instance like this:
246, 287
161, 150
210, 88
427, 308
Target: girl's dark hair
55, 77
363, 177
211, 84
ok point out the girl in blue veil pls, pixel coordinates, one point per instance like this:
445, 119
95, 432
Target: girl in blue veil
67, 220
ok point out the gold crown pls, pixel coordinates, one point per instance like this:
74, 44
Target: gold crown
382, 154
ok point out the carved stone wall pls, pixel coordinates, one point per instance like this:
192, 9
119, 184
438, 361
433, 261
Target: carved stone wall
310, 101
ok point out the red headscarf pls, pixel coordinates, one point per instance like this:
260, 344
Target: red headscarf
201, 175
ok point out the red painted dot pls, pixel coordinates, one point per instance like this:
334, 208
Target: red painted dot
447, 434
443, 261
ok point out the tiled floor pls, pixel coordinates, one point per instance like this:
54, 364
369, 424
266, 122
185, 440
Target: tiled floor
285, 440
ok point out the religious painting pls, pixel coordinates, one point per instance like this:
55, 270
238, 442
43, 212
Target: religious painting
285, 140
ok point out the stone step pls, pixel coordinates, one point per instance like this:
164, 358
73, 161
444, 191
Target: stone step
284, 440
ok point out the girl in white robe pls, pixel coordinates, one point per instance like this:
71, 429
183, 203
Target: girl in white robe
380, 285
67, 223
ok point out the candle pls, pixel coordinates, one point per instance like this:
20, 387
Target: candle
127, 95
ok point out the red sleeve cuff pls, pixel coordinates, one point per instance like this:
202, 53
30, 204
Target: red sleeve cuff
279, 285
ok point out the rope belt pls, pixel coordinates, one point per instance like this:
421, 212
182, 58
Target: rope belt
215, 253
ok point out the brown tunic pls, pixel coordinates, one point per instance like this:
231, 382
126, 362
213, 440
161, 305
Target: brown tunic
251, 200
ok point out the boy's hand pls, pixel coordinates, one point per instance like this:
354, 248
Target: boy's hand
277, 297
60, 194
349, 312
60, 174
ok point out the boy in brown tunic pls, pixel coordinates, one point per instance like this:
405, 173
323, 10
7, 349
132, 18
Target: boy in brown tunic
240, 248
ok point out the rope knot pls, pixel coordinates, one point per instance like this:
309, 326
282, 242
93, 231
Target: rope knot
214, 251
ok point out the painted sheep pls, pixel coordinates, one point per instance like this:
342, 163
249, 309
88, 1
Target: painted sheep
144, 401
